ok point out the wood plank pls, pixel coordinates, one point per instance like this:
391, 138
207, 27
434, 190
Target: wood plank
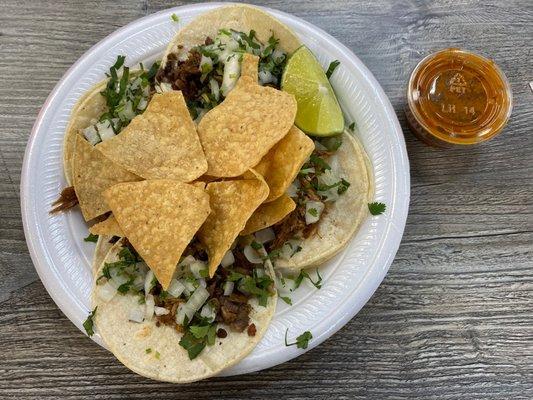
453, 318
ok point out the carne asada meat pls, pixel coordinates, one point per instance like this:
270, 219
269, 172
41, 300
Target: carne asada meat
183, 75
67, 199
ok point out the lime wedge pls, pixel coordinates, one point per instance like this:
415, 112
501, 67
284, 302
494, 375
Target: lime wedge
319, 113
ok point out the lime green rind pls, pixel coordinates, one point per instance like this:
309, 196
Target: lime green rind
319, 112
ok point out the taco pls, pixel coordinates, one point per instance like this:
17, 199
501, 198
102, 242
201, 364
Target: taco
191, 331
331, 193
158, 305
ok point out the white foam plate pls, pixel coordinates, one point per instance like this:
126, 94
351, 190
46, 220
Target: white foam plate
63, 259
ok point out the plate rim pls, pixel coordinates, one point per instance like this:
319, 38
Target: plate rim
397, 221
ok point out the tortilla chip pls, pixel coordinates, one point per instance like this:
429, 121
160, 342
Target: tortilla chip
269, 214
159, 218
250, 66
232, 204
108, 227
237, 133
281, 164
92, 174
162, 143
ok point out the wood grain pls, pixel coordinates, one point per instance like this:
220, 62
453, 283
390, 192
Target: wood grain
452, 319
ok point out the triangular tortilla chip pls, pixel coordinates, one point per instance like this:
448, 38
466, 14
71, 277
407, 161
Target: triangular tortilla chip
162, 143
250, 66
92, 174
108, 227
159, 218
232, 203
237, 133
281, 164
268, 214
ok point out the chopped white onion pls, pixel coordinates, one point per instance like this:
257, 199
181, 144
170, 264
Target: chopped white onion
105, 130
181, 312
329, 178
162, 87
265, 235
127, 113
91, 134
142, 104
136, 314
292, 190
232, 70
189, 286
107, 291
215, 88
252, 255
202, 282
228, 287
161, 311
307, 171
266, 77
208, 312
176, 288
196, 267
289, 248
138, 283
148, 282
149, 306
313, 209
195, 302
187, 261
228, 259
277, 53
117, 278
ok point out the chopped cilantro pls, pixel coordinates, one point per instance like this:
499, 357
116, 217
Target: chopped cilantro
303, 274
343, 186
175, 18
89, 323
286, 299
235, 276
148, 350
302, 341
199, 331
91, 238
332, 66
351, 126
193, 345
157, 355
126, 286
331, 143
256, 246
376, 208
313, 212
320, 164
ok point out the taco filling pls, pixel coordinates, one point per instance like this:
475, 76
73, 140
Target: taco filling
207, 73
199, 307
315, 190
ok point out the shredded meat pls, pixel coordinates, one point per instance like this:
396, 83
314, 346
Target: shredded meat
221, 333
289, 227
252, 330
67, 199
183, 75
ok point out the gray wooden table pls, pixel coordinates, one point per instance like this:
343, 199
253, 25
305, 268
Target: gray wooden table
452, 319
